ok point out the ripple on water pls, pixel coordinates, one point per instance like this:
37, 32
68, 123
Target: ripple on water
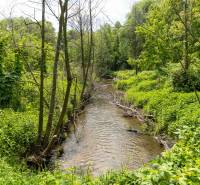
103, 140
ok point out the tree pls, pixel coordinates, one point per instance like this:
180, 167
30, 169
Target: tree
55, 74
42, 66
91, 46
68, 70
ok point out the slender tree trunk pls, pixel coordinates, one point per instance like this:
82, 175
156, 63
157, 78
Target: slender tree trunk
90, 50
186, 58
55, 75
92, 65
82, 42
75, 98
41, 89
135, 41
69, 76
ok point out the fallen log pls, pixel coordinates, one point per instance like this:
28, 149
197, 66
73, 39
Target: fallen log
134, 112
162, 143
126, 108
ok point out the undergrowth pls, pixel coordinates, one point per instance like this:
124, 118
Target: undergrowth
177, 114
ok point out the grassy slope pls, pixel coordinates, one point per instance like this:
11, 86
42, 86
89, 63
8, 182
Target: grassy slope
177, 115
18, 131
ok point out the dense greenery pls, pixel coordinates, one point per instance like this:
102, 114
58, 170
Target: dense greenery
20, 44
177, 115
164, 83
159, 47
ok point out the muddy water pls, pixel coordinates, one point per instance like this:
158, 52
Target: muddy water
102, 141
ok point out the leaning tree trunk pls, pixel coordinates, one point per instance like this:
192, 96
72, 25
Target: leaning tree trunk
42, 65
69, 81
82, 42
90, 51
55, 75
186, 29
69, 76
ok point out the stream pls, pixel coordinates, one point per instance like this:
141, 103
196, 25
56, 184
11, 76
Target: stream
102, 139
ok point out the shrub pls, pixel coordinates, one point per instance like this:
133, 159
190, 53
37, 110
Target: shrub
147, 85
186, 82
17, 132
144, 81
177, 114
125, 83
124, 74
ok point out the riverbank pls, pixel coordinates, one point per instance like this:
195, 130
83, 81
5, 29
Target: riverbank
146, 120
176, 115
105, 140
180, 165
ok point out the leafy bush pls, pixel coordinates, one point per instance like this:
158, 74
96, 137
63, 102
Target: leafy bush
124, 74
147, 85
125, 83
8, 83
17, 174
17, 132
186, 82
177, 114
144, 81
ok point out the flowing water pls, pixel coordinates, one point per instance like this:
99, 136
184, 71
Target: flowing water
102, 142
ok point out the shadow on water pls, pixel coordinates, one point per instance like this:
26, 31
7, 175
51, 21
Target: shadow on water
102, 141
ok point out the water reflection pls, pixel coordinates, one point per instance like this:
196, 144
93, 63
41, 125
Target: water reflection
102, 142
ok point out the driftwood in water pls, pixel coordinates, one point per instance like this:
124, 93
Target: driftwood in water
163, 143
135, 113
126, 108
131, 112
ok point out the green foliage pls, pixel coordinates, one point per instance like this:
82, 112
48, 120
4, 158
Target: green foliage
123, 75
17, 175
164, 32
186, 81
151, 39
149, 91
177, 115
19, 62
17, 132
145, 80
8, 83
10, 72
109, 53
119, 47
25, 26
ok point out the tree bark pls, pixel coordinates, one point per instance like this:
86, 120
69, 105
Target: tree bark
55, 75
186, 46
82, 42
135, 40
69, 76
41, 89
90, 50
